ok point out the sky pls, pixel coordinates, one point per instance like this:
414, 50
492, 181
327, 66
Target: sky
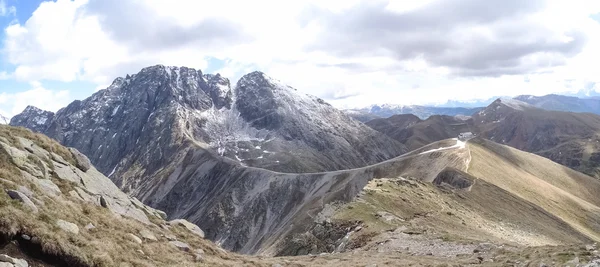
351, 53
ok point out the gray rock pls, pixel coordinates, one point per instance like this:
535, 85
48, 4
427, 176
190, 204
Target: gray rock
13, 261
594, 263
23, 198
103, 202
147, 235
89, 227
180, 245
25, 191
171, 237
67, 226
26, 237
6, 264
134, 238
48, 187
188, 225
81, 161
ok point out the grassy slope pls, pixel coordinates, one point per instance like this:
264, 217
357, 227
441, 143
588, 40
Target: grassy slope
567, 194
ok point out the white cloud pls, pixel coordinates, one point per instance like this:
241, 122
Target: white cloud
96, 41
37, 95
7, 10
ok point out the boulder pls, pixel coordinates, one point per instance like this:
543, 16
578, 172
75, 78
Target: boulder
134, 238
188, 225
147, 235
67, 226
48, 187
81, 161
180, 245
103, 202
13, 261
23, 198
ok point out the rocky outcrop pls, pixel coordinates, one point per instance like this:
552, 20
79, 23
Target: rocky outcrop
70, 228
454, 178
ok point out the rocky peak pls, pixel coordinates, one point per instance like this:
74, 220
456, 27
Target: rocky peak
219, 89
36, 119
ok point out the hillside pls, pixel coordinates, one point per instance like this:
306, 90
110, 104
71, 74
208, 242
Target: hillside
57, 210
415, 133
65, 213
500, 202
567, 138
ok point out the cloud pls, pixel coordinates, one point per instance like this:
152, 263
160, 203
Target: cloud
37, 95
7, 10
469, 37
166, 32
353, 52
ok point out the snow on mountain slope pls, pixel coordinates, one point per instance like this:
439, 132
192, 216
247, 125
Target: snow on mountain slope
153, 131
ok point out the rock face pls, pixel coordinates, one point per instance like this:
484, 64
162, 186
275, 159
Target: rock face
184, 142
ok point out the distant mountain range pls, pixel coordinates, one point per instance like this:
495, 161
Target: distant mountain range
465, 109
423, 112
569, 138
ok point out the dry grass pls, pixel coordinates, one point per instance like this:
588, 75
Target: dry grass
11, 134
566, 194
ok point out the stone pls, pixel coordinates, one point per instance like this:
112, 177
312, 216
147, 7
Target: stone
67, 226
134, 238
147, 235
180, 245
594, 263
81, 161
26, 237
170, 237
190, 226
13, 261
25, 191
162, 214
103, 202
89, 227
23, 198
48, 187
573, 262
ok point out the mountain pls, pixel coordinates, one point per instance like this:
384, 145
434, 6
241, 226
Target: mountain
562, 103
186, 143
423, 112
444, 203
453, 198
568, 138
415, 133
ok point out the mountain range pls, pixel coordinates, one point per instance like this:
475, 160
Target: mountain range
423, 112
264, 169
